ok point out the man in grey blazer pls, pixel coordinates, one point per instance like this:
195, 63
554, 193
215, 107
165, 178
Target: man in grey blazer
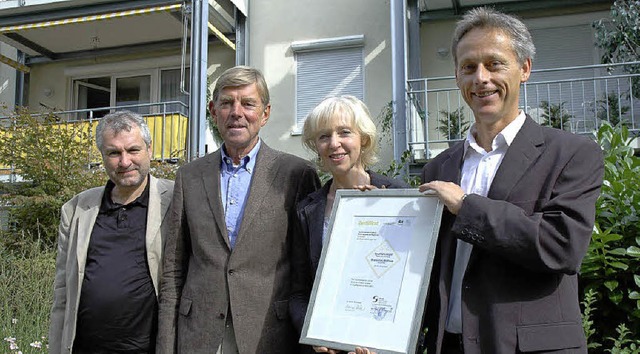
520, 204
110, 249
226, 282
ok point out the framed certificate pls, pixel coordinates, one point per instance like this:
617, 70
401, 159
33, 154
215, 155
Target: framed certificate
373, 275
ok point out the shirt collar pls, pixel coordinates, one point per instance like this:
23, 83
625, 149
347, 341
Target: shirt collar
108, 204
248, 162
505, 137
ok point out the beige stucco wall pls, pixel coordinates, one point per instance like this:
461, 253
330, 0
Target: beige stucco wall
56, 77
275, 24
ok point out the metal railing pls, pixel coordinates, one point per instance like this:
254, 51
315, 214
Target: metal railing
578, 99
167, 121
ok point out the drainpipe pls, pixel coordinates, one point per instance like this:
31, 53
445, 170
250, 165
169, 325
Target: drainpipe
19, 94
198, 93
399, 77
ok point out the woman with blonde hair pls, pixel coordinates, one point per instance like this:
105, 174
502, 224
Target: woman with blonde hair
340, 131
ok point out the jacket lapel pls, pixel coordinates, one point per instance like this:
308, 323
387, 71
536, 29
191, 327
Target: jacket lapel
452, 166
212, 189
314, 212
87, 211
158, 205
524, 150
159, 200
259, 189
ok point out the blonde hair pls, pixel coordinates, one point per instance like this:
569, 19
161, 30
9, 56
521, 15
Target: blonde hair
352, 111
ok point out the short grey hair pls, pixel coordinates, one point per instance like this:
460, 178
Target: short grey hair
119, 121
484, 17
241, 76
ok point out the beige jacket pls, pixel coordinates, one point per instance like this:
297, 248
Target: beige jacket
77, 218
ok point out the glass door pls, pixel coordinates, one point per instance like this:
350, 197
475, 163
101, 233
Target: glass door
132, 91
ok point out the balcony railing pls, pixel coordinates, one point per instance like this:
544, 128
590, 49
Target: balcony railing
578, 99
167, 121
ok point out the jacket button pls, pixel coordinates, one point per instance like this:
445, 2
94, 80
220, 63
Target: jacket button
231, 271
221, 315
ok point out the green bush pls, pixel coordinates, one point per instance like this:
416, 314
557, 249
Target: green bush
453, 125
53, 155
555, 115
611, 268
55, 159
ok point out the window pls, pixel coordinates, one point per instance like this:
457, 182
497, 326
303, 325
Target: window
93, 93
170, 90
144, 92
327, 68
134, 91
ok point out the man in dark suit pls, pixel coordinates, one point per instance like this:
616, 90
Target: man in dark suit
520, 204
226, 283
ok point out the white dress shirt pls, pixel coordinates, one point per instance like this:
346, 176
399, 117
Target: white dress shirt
478, 170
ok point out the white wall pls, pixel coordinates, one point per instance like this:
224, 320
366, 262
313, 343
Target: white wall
275, 24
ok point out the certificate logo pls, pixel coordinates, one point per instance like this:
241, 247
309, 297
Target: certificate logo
382, 258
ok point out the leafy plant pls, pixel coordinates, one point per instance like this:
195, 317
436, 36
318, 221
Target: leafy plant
385, 118
609, 109
619, 37
54, 156
587, 321
555, 115
453, 125
624, 343
397, 168
56, 161
612, 264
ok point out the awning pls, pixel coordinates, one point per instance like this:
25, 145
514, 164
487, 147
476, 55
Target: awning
89, 18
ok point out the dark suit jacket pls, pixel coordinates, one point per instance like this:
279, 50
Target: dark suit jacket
529, 235
203, 277
307, 244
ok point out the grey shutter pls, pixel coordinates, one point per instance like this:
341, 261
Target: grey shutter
325, 73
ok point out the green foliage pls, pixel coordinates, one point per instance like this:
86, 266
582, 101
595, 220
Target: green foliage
609, 110
55, 158
624, 343
587, 321
385, 119
611, 267
401, 169
26, 281
555, 115
33, 218
165, 169
619, 37
397, 168
453, 125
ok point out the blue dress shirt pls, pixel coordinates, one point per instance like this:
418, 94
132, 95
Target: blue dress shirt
235, 182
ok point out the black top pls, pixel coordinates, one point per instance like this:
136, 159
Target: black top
118, 305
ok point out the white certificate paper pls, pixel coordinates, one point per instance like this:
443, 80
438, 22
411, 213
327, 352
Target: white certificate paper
373, 275
378, 253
